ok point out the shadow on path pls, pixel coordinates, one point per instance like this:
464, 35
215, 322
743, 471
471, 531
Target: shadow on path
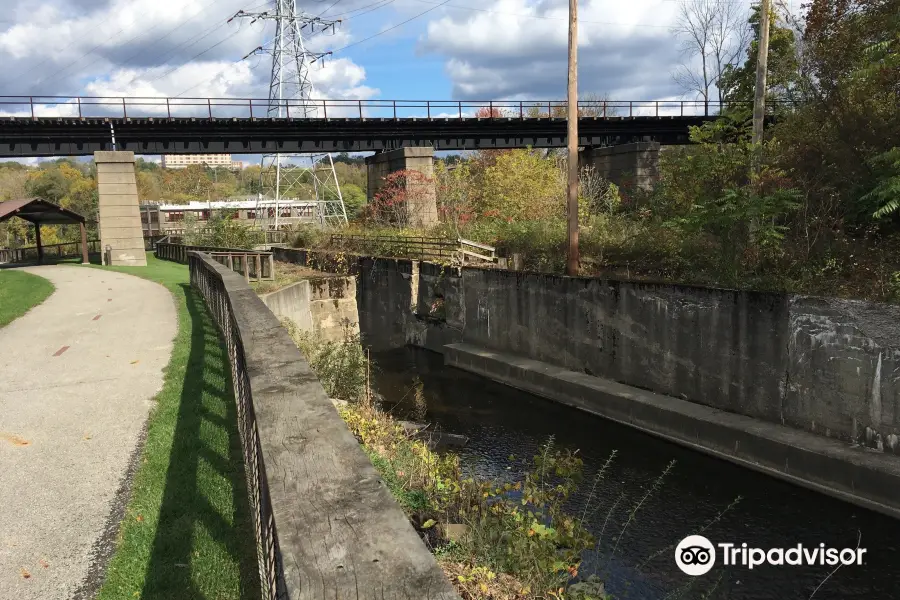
205, 516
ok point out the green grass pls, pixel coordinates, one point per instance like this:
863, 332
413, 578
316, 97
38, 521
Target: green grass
187, 531
19, 293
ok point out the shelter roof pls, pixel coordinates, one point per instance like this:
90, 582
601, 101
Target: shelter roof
37, 210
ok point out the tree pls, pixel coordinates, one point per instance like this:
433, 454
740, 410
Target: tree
354, 199
839, 143
49, 184
783, 80
402, 193
713, 36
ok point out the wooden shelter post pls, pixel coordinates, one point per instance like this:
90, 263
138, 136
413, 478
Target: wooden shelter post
37, 239
84, 246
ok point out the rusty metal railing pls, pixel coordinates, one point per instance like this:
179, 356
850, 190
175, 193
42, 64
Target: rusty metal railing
252, 264
36, 107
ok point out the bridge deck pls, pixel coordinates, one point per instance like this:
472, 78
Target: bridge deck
56, 136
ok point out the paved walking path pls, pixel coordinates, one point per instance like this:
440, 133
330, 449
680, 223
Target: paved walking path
77, 375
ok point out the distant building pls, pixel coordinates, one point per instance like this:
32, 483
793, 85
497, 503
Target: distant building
180, 161
161, 218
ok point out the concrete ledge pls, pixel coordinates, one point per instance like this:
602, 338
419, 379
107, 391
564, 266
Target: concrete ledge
338, 531
863, 477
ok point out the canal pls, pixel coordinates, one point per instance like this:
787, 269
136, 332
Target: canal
734, 504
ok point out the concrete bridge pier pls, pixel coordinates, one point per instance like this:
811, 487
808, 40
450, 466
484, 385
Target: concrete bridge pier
422, 205
121, 236
633, 166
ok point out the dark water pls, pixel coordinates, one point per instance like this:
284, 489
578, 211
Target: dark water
501, 421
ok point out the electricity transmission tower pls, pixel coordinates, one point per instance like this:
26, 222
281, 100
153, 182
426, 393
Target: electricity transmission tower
290, 94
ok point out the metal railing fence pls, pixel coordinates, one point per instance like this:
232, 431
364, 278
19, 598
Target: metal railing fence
35, 107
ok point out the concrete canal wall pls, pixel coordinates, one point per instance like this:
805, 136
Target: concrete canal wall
823, 366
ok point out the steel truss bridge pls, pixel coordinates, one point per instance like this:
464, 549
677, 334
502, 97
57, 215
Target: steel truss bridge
73, 126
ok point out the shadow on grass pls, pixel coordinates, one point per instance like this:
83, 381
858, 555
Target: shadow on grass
205, 515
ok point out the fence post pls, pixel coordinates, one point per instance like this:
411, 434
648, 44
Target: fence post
31, 102
272, 266
168, 108
246, 263
209, 106
258, 267
79, 107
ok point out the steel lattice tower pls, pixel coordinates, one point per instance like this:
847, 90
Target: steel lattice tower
290, 94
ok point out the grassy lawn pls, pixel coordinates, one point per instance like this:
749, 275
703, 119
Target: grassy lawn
19, 293
187, 531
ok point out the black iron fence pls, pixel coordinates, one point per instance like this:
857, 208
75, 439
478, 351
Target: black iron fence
64, 250
211, 283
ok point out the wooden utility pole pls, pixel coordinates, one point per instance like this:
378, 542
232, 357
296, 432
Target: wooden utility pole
572, 139
759, 99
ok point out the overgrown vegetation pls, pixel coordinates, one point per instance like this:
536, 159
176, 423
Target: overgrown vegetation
813, 209
222, 231
495, 540
72, 184
19, 293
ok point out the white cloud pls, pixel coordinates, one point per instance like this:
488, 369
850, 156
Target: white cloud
152, 48
517, 49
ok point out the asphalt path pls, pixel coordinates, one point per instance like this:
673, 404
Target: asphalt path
77, 377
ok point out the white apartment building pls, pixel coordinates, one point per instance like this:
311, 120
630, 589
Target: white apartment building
180, 161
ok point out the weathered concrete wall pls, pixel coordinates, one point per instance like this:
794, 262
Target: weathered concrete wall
827, 366
422, 210
630, 166
843, 370
868, 479
120, 219
823, 365
325, 305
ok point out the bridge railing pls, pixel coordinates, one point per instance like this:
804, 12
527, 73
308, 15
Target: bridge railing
63, 250
388, 245
309, 484
252, 264
219, 108
277, 236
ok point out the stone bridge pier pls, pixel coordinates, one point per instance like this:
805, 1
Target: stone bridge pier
422, 205
632, 166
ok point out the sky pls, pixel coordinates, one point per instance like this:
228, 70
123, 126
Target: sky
459, 50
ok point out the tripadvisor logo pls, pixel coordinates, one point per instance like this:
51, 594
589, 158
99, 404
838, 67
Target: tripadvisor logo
696, 555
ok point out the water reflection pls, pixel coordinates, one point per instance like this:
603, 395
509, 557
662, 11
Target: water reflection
700, 491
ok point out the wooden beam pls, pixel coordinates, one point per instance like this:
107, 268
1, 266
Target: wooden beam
37, 239
84, 245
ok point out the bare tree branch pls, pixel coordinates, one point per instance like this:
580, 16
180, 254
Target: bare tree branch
713, 35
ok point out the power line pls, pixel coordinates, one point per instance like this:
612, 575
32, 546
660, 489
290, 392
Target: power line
329, 7
544, 17
376, 5
60, 70
402, 23
72, 43
198, 55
